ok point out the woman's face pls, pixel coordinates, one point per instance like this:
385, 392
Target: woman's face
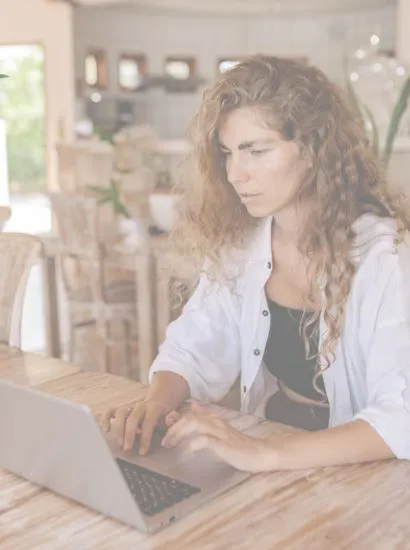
265, 171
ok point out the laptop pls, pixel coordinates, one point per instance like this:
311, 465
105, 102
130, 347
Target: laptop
58, 444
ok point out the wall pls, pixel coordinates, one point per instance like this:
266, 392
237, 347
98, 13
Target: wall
323, 38
403, 27
50, 24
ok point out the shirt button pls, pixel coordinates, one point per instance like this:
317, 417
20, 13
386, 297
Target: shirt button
244, 389
256, 351
269, 264
265, 312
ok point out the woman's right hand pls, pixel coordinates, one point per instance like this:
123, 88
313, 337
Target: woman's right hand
125, 423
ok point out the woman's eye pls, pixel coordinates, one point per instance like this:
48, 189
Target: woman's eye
257, 152
225, 153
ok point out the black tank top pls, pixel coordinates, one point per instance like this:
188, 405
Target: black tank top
285, 355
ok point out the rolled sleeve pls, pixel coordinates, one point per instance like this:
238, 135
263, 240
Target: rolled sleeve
388, 360
203, 344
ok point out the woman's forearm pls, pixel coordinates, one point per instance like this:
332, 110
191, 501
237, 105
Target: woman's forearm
168, 389
350, 443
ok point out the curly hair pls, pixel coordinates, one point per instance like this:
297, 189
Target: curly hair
346, 179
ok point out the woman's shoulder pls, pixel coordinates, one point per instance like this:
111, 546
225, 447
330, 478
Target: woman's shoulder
373, 235
379, 251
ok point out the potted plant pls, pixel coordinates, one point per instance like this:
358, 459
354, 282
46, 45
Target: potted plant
111, 195
132, 229
162, 200
364, 113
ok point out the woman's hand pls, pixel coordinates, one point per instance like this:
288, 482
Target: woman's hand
125, 423
208, 431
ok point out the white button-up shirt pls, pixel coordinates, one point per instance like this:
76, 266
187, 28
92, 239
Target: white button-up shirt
223, 330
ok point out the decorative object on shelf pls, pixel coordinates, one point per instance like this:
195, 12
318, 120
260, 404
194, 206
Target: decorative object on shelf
379, 87
134, 234
159, 165
164, 211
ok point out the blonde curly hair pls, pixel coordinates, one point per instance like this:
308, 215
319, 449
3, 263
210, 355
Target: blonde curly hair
346, 179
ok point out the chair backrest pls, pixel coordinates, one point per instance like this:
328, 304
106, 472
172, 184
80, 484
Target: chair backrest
93, 165
84, 163
80, 249
18, 253
5, 213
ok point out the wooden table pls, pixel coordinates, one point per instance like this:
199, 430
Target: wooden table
142, 264
357, 507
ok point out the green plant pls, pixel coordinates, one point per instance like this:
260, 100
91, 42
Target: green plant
22, 105
364, 113
111, 195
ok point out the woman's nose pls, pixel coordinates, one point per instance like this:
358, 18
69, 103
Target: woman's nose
236, 171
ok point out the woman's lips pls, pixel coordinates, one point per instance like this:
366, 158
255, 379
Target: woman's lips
248, 196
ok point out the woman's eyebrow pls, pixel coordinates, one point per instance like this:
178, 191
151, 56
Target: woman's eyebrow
247, 144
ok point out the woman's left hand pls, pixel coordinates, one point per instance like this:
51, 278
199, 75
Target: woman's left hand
208, 431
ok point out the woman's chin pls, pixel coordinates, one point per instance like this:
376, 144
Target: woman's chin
258, 211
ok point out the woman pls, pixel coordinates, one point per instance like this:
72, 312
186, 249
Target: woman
303, 294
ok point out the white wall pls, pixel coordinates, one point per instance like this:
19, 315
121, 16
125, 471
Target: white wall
49, 24
321, 37
403, 30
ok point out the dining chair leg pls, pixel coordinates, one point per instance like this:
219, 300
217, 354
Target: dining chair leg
71, 339
103, 335
127, 345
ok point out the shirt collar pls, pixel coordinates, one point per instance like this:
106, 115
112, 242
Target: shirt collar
260, 245
367, 227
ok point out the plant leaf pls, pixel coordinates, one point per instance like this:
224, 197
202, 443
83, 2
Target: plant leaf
375, 131
398, 112
98, 190
354, 99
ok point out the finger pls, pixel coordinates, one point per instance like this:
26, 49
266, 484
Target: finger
182, 427
133, 426
171, 418
189, 425
118, 424
199, 408
150, 421
105, 419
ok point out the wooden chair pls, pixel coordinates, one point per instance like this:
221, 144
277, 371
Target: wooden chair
91, 299
5, 213
18, 253
167, 307
84, 163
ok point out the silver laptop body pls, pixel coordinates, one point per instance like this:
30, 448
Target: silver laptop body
58, 444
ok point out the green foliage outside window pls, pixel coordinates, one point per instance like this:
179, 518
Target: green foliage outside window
22, 107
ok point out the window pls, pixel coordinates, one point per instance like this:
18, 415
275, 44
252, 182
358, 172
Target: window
95, 69
131, 69
227, 64
180, 68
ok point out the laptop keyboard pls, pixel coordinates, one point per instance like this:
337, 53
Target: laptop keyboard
154, 492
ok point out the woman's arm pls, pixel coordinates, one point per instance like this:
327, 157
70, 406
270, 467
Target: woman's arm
350, 443
203, 344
